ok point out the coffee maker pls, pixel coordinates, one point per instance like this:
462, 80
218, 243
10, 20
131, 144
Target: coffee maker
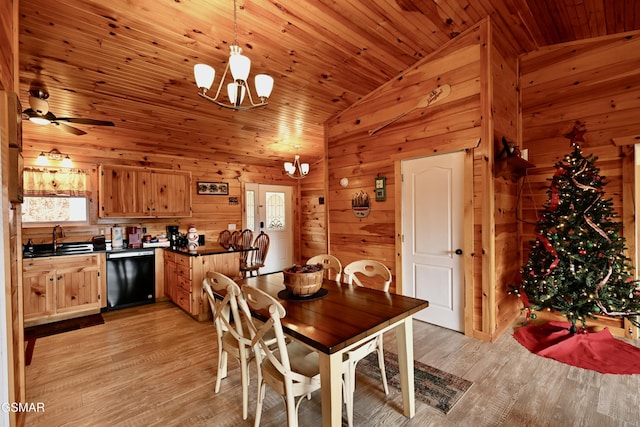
173, 234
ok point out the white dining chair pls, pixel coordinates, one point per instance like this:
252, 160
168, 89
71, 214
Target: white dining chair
372, 270
233, 335
329, 263
293, 369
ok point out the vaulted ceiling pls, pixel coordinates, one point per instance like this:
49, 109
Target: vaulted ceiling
131, 62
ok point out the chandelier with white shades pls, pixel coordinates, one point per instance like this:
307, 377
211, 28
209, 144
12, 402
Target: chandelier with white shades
295, 169
240, 66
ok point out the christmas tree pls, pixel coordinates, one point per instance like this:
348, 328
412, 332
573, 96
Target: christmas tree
577, 264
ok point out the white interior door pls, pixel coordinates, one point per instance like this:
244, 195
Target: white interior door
273, 211
432, 221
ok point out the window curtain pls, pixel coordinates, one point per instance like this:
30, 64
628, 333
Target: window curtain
55, 182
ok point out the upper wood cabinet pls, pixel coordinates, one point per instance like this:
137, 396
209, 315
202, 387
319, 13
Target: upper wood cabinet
130, 192
167, 193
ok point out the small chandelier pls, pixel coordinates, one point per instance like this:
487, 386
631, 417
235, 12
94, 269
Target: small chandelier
302, 169
240, 66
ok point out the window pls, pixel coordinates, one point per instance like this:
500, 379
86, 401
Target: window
250, 207
53, 196
55, 210
275, 211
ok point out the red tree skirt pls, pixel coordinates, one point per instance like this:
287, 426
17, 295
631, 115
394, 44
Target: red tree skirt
597, 351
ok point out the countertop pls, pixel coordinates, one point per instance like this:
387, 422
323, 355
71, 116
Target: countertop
73, 248
44, 251
209, 249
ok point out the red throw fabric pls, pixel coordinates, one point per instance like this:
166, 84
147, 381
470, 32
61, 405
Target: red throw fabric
597, 351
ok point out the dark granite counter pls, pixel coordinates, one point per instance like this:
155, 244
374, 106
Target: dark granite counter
208, 249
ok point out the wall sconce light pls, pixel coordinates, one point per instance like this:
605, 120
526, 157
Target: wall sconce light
64, 159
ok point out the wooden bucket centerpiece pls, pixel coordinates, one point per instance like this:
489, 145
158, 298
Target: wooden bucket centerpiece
303, 280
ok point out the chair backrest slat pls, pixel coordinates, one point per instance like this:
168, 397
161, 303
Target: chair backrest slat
235, 239
257, 301
244, 242
262, 248
223, 238
222, 308
329, 263
369, 268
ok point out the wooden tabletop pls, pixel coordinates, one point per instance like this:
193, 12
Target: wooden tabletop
347, 314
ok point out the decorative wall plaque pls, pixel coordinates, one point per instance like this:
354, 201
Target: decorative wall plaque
360, 204
213, 188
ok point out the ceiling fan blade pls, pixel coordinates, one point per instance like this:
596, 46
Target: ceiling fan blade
29, 113
69, 129
82, 121
38, 101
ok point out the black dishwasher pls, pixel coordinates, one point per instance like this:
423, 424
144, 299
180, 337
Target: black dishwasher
131, 278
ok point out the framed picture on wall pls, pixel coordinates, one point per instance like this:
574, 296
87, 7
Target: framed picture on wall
213, 188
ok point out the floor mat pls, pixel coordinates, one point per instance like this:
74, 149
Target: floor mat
434, 387
33, 332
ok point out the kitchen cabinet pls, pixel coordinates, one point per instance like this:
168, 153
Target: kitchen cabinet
62, 287
184, 273
130, 192
178, 282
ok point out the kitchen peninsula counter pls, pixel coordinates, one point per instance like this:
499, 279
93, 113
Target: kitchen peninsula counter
209, 249
185, 270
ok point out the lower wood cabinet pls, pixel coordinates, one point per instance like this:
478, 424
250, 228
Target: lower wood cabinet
62, 287
183, 275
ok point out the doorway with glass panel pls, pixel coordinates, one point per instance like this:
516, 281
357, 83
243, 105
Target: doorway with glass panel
269, 208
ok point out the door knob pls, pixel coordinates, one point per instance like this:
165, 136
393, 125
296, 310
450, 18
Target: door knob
458, 251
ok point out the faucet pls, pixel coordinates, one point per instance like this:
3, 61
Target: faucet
55, 236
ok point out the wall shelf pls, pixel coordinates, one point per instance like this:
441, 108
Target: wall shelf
512, 167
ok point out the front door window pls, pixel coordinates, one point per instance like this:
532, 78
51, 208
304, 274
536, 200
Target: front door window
275, 211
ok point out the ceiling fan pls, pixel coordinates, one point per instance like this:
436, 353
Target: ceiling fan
39, 113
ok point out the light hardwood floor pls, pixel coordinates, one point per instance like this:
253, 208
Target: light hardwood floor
154, 365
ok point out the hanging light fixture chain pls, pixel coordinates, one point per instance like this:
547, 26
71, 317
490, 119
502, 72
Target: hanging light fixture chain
235, 24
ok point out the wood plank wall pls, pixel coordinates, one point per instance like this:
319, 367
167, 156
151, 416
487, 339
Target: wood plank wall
313, 220
210, 214
459, 122
10, 228
504, 107
595, 82
7, 47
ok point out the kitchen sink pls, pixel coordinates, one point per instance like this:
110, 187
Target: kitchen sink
70, 248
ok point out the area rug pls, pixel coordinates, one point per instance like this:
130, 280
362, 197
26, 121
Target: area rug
434, 387
596, 351
33, 332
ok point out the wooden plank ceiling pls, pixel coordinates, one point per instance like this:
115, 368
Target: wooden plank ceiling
131, 62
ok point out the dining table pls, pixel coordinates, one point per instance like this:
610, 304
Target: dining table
338, 318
